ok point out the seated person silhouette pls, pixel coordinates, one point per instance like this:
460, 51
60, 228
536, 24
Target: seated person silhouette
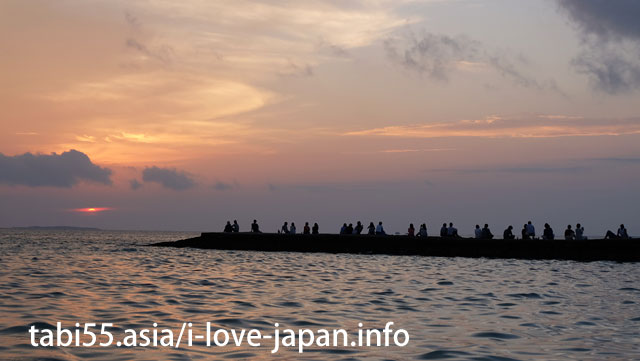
569, 234
508, 233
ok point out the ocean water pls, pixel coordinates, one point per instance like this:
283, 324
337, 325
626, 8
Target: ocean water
452, 308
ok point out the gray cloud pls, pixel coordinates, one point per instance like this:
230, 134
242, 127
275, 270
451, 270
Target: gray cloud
515, 170
296, 70
437, 55
604, 18
163, 53
132, 20
610, 69
53, 170
610, 33
222, 186
619, 160
333, 49
135, 184
169, 178
432, 54
347, 187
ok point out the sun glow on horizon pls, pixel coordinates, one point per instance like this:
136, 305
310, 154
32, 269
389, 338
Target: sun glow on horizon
92, 210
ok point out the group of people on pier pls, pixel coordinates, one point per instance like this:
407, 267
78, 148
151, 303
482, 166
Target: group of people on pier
446, 231
286, 229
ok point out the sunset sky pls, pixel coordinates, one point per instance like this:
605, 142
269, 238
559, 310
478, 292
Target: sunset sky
181, 115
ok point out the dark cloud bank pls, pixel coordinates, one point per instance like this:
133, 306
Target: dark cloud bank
610, 31
168, 178
54, 170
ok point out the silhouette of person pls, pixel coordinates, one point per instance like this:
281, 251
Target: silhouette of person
255, 228
380, 229
486, 232
228, 228
508, 233
548, 232
452, 231
292, 229
423, 230
478, 232
622, 232
235, 226
285, 228
569, 234
315, 228
343, 229
371, 230
531, 230
306, 229
444, 231
525, 233
358, 229
580, 232
411, 231
349, 229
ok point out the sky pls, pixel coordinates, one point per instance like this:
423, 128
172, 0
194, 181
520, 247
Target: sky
181, 115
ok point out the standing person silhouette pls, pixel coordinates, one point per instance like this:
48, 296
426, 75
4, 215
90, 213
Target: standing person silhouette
315, 228
306, 229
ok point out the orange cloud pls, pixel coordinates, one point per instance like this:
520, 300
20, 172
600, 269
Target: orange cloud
516, 127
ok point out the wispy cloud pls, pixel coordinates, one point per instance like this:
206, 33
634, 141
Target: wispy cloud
510, 127
416, 150
27, 133
292, 69
438, 55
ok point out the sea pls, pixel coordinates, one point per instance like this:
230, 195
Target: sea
451, 308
